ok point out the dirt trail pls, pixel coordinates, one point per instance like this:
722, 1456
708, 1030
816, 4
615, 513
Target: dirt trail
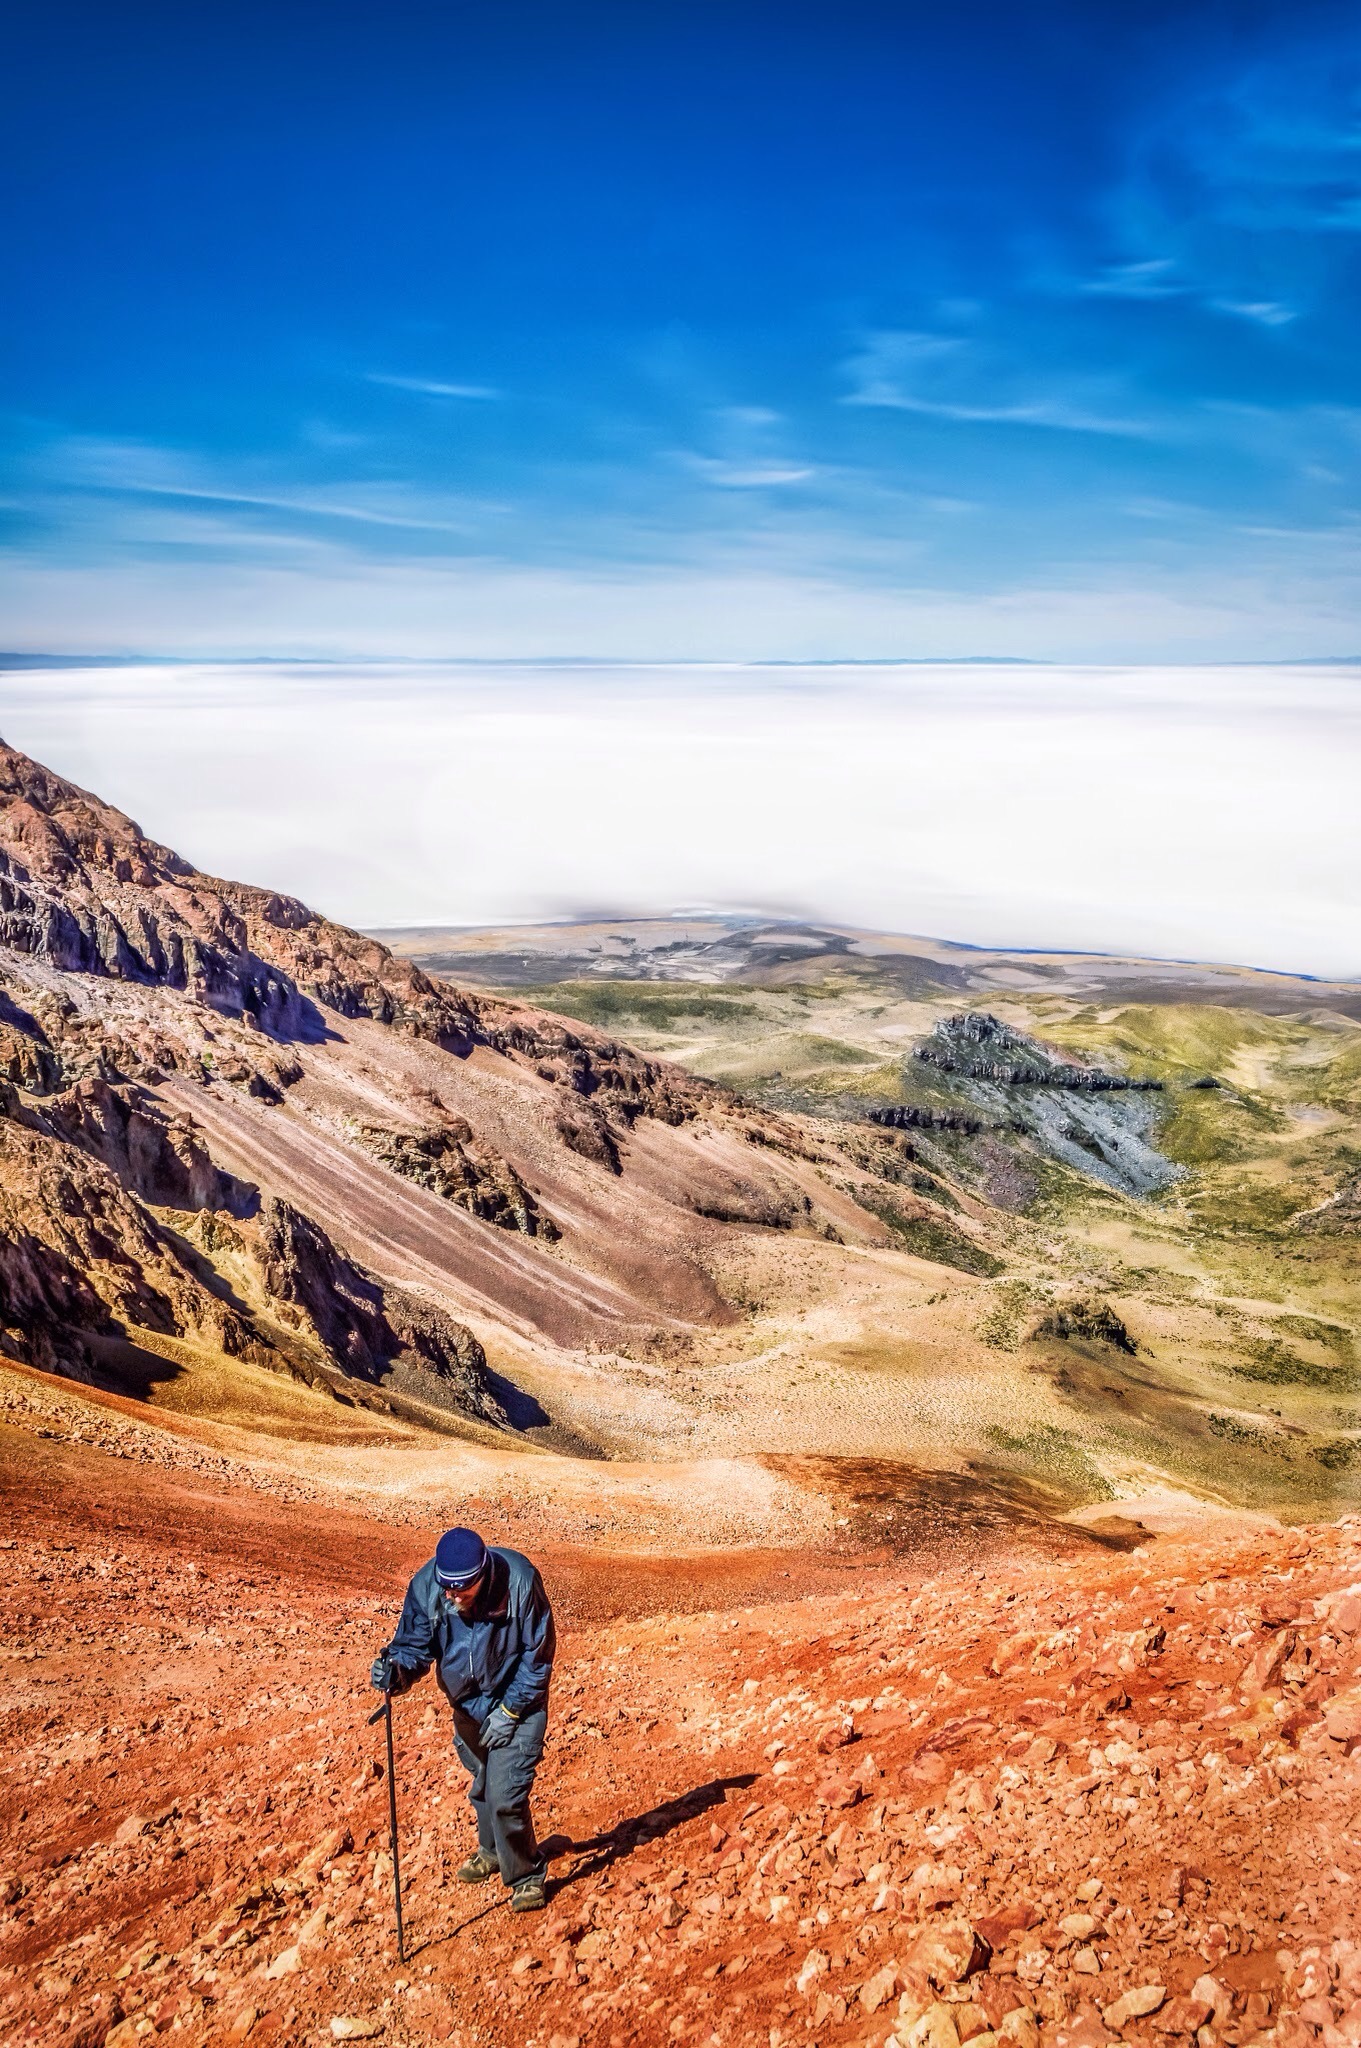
406, 1476
884, 1805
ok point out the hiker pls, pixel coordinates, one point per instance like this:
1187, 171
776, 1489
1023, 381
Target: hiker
482, 1618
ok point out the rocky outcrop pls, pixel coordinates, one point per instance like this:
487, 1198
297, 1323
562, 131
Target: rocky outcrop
368, 1329
1340, 1214
911, 1116
26, 1063
447, 1159
160, 1158
979, 1046
586, 1132
590, 1068
189, 942
743, 1203
82, 1259
80, 1256
1094, 1320
84, 889
984, 1081
28, 1058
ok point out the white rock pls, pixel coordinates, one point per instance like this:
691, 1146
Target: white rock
935, 2029
1022, 2027
1144, 1998
289, 1959
814, 1966
879, 1988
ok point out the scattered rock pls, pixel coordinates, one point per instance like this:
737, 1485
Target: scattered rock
814, 1966
1182, 2015
1342, 1716
934, 2029
1021, 2027
879, 1988
1134, 2005
950, 1953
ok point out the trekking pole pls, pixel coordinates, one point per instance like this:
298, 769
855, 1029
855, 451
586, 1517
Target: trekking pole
384, 1713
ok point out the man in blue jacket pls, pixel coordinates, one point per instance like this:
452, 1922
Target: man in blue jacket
482, 1618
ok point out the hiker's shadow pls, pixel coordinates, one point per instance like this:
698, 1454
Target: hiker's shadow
598, 1852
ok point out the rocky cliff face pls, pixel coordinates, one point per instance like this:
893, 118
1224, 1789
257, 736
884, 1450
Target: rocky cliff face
80, 1256
447, 1159
984, 1080
84, 1257
980, 1046
83, 890
160, 1158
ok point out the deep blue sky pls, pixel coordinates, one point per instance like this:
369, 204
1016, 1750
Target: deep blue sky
674, 331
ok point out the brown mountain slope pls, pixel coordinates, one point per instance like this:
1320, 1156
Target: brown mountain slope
207, 1046
89, 1269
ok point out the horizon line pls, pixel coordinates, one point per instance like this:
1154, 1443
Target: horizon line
18, 661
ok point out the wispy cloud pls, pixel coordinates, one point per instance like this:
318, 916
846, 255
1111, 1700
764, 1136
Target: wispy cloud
1158, 278
953, 378
1154, 278
1265, 312
1244, 193
133, 471
431, 387
744, 452
738, 476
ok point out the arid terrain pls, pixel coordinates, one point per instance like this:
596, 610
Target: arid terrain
1044, 1787
928, 1380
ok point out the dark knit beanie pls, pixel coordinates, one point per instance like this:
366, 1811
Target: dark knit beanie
459, 1557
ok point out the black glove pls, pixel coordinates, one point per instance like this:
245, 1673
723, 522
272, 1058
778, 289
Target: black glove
498, 1729
383, 1674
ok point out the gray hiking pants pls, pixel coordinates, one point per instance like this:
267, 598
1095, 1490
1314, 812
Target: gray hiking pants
502, 1780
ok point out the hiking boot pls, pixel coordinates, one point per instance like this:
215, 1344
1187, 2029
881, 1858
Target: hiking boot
481, 1865
529, 1896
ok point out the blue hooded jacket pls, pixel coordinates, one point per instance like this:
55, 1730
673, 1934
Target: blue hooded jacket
503, 1653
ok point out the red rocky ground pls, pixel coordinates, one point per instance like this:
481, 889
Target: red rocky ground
1056, 1801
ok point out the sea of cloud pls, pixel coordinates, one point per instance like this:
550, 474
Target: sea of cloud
1184, 812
